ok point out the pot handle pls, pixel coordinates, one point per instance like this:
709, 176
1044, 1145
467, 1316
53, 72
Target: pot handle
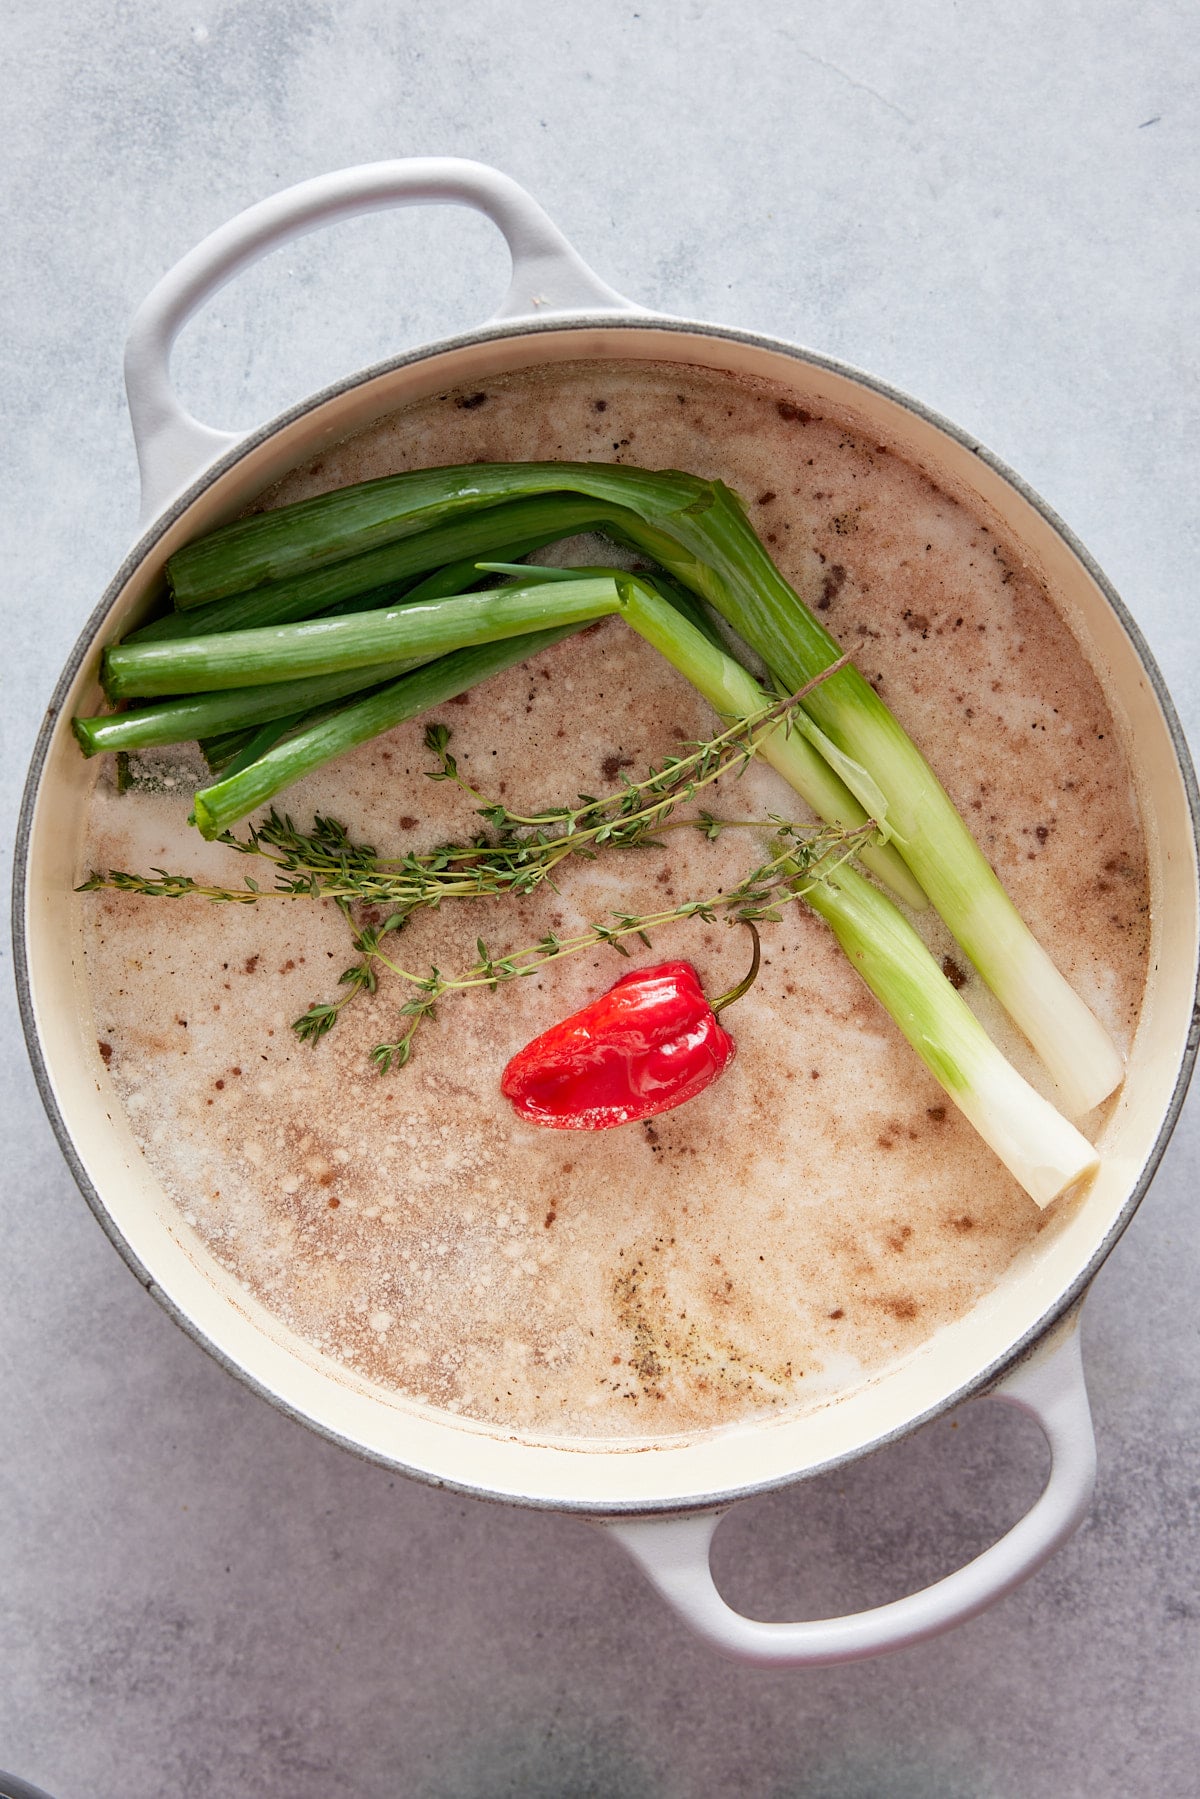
548, 277
674, 1552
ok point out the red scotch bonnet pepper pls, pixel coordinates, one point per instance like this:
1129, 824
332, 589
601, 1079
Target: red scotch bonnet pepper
648, 1044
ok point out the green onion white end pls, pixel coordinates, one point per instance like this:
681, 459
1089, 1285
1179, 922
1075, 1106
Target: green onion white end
1042, 1149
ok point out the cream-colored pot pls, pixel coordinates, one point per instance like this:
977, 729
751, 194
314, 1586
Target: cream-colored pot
1019, 1344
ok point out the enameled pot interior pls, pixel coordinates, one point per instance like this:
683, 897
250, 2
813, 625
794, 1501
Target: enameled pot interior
629, 1475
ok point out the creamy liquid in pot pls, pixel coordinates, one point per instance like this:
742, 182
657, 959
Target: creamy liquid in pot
818, 1212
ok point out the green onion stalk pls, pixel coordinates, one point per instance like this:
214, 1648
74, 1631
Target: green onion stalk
381, 577
1045, 1152
1041, 1148
864, 742
243, 721
360, 640
243, 789
240, 710
294, 541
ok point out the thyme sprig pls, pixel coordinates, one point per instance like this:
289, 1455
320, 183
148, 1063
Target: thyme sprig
325, 863
524, 851
802, 856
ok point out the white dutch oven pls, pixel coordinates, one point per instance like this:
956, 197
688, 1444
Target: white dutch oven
1019, 1345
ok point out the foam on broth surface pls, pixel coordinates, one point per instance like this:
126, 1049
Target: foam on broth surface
820, 1210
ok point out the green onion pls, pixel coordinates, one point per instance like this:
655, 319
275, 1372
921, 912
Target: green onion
381, 577
277, 605
220, 750
225, 802
228, 711
917, 812
362, 640
227, 720
284, 603
309, 586
1036, 1144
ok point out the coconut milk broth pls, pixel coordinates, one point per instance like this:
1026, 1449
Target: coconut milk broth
822, 1209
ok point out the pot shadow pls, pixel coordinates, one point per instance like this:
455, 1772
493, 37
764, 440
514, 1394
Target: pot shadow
884, 1526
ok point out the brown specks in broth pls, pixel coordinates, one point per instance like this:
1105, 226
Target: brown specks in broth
669, 1352
902, 1306
832, 583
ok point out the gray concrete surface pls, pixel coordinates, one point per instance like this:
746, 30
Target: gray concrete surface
994, 207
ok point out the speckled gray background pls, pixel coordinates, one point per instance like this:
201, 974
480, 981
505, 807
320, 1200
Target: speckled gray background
991, 204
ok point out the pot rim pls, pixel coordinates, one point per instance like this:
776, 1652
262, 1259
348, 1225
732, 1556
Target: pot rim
145, 542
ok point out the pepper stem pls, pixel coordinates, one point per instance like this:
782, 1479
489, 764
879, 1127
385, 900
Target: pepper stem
744, 986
